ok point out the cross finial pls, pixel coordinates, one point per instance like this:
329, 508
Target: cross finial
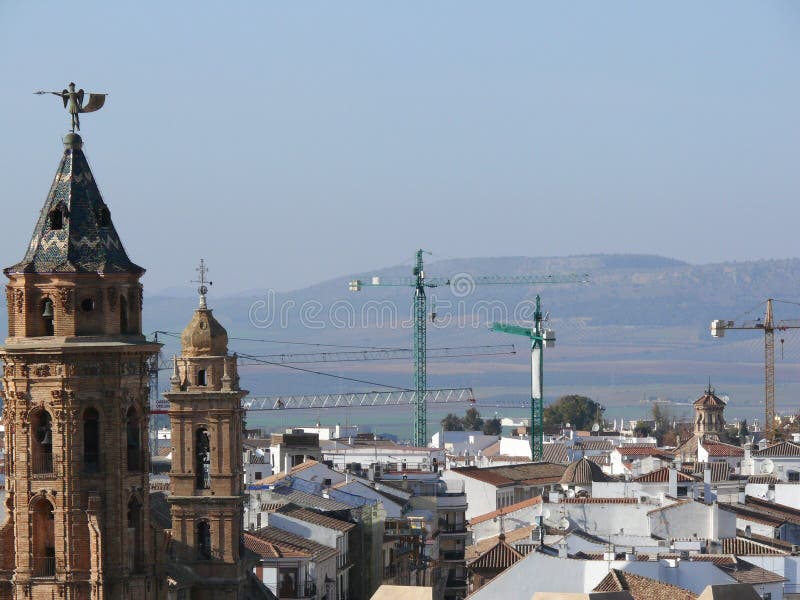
202, 289
710, 389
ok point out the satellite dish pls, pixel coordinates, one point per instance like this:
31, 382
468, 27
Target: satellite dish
568, 425
259, 452
563, 523
546, 513
570, 493
595, 428
767, 467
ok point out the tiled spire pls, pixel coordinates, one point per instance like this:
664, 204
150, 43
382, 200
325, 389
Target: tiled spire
74, 233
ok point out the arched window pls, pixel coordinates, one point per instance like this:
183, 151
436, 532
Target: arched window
42, 444
47, 316
56, 218
134, 437
203, 540
44, 538
202, 451
123, 315
135, 551
91, 441
201, 377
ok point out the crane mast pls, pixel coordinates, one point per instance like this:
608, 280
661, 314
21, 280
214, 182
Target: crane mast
768, 325
420, 282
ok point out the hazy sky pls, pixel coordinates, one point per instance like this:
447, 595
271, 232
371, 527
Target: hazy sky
292, 142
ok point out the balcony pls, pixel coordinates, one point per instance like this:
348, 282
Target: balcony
44, 566
42, 466
452, 555
452, 528
456, 582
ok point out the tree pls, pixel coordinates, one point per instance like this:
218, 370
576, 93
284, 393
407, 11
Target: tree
452, 422
662, 418
642, 429
492, 427
472, 420
579, 411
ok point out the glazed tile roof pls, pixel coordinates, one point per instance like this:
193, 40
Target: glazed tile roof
583, 472
498, 558
779, 450
662, 476
642, 588
271, 542
528, 474
506, 510
87, 241
720, 449
709, 399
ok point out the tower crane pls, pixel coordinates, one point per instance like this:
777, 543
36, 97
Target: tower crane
419, 282
540, 338
768, 325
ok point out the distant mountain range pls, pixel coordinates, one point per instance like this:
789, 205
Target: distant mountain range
638, 329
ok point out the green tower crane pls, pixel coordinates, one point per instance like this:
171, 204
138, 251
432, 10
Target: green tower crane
419, 282
540, 338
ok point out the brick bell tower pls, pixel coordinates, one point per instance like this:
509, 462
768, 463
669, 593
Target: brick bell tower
76, 406
206, 480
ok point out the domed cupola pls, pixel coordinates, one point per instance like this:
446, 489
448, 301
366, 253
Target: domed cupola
204, 336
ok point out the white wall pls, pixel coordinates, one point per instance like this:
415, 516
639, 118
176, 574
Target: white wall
605, 519
481, 497
692, 519
515, 447
511, 521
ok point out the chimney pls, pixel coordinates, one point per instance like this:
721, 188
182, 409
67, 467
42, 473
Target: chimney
672, 490
287, 461
708, 494
562, 549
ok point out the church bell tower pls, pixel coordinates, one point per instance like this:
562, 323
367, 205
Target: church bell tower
206, 480
76, 406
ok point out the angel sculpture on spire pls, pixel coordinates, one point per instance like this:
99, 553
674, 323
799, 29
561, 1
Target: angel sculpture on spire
73, 102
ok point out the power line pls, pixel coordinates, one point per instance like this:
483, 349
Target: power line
285, 366
292, 343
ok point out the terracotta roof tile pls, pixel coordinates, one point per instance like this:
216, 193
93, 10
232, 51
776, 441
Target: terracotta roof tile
555, 453
583, 472
662, 476
277, 543
745, 572
780, 449
640, 451
642, 588
599, 500
498, 558
527, 473
506, 510
309, 516
720, 449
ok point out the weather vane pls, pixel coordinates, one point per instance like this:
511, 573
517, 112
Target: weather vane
203, 288
73, 102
